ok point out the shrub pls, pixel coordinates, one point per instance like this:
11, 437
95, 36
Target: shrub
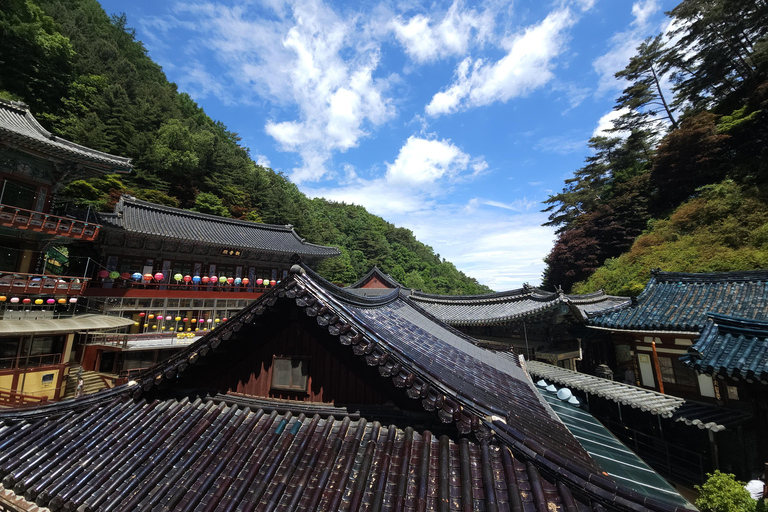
723, 493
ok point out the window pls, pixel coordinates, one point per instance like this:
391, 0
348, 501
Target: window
290, 373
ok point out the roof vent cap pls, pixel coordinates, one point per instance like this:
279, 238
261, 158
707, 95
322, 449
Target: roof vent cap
551, 388
574, 401
564, 394
542, 383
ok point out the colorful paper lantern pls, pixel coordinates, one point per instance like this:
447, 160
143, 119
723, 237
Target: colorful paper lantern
259, 281
209, 320
196, 329
114, 274
154, 326
217, 320
178, 277
125, 275
246, 281
73, 300
51, 301
188, 278
147, 277
238, 281
223, 319
27, 301
135, 324
178, 318
142, 314
151, 316
185, 320
273, 282
159, 276
3, 298
162, 328
231, 280
136, 276
14, 300
206, 279
214, 279
181, 329
189, 328
223, 280
38, 301
196, 279
62, 301
103, 273
193, 320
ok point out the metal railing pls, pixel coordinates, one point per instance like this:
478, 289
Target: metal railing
9, 363
12, 216
19, 283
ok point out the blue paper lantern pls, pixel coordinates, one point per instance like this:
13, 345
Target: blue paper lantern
196, 279
238, 281
136, 276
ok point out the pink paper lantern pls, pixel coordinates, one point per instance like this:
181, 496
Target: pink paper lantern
73, 300
214, 279
259, 281
159, 276
51, 301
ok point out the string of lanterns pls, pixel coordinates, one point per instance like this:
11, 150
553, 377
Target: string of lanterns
38, 302
188, 324
159, 277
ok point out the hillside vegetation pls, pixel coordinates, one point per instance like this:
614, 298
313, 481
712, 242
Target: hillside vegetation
681, 181
87, 79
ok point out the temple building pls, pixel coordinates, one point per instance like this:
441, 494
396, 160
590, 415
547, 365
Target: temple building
699, 337
315, 398
109, 294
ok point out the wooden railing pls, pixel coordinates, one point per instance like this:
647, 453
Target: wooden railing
8, 363
16, 283
10, 397
12, 216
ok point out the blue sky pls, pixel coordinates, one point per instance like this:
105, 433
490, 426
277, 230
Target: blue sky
453, 119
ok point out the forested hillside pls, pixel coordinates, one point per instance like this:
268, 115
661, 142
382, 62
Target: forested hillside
87, 79
681, 181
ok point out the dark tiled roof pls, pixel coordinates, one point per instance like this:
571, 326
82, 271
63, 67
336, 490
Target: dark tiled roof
732, 347
477, 390
680, 302
204, 454
18, 125
146, 218
385, 279
523, 303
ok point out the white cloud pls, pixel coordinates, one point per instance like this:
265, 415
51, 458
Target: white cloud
307, 56
623, 46
427, 40
263, 161
527, 65
606, 123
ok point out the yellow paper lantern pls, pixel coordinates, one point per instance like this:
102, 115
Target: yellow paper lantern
135, 324
178, 319
38, 301
154, 326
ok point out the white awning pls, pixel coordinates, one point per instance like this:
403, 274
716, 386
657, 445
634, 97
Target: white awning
62, 325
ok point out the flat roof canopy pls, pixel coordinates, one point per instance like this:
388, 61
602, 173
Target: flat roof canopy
62, 325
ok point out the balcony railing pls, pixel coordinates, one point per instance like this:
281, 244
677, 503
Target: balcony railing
11, 397
9, 363
15, 283
12, 216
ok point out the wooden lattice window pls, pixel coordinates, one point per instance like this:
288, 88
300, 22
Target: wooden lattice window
290, 373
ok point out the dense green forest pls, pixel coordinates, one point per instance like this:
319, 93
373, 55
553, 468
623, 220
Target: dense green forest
681, 181
87, 79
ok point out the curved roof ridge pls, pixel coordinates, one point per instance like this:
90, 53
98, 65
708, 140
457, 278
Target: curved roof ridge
190, 213
710, 277
516, 294
376, 272
347, 296
23, 124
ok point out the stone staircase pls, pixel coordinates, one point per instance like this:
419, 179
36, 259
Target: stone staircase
92, 382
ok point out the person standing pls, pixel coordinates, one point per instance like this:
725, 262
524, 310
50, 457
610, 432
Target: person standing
756, 486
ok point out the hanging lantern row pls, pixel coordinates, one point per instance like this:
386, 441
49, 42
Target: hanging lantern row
38, 302
167, 318
221, 280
